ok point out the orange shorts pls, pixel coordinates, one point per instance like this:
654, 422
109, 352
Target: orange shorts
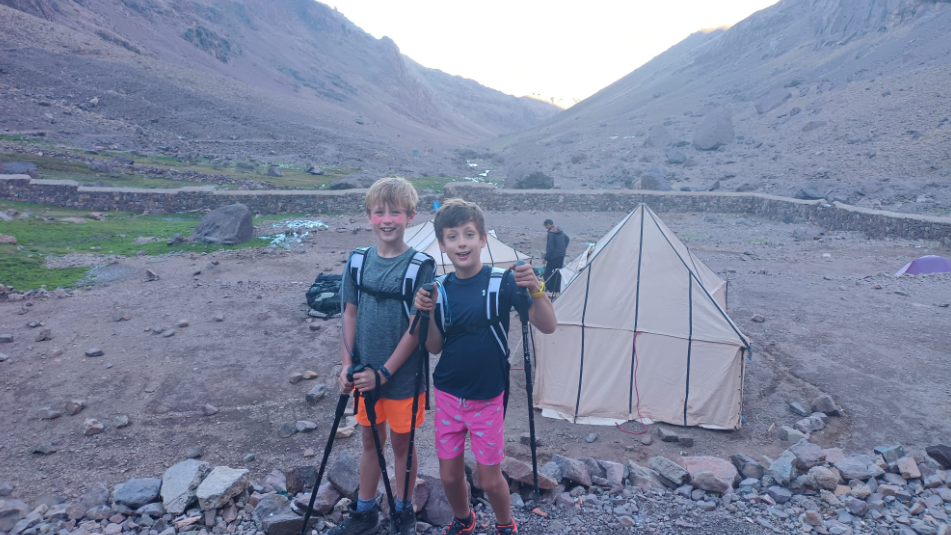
397, 412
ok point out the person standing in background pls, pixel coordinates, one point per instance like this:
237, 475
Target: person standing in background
555, 250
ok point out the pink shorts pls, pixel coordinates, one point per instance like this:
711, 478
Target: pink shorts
482, 419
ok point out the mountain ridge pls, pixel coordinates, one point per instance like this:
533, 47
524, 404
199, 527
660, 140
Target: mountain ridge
297, 67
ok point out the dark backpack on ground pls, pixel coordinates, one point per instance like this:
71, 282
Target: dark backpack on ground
324, 296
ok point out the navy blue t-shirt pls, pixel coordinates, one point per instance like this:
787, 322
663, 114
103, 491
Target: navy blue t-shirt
472, 365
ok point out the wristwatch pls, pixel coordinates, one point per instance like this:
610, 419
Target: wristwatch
541, 291
385, 373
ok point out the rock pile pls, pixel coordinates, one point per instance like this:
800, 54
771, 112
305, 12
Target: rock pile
807, 489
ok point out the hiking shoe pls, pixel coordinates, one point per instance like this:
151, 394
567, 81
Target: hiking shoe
407, 520
458, 528
510, 529
358, 523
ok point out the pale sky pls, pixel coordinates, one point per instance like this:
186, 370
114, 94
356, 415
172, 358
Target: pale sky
553, 48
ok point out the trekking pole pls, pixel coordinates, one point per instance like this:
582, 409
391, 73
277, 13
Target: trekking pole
422, 320
338, 414
522, 310
369, 405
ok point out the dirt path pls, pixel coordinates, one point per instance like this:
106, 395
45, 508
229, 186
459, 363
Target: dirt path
879, 352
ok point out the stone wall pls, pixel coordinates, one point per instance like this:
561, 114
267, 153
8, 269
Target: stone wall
71, 194
835, 216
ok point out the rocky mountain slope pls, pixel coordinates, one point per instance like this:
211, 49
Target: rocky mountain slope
841, 98
220, 76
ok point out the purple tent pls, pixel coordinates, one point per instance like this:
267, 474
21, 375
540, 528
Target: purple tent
925, 265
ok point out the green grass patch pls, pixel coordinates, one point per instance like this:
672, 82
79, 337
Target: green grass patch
295, 176
17, 138
21, 265
62, 169
27, 272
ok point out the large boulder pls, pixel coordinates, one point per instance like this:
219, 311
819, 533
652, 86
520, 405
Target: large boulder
714, 131
286, 522
658, 137
326, 498
645, 478
809, 193
772, 100
652, 179
300, 479
536, 180
11, 512
344, 475
573, 470
229, 226
674, 156
180, 482
222, 484
355, 181
614, 473
783, 469
940, 453
669, 470
312, 169
522, 472
137, 492
747, 466
807, 455
437, 510
711, 474
861, 467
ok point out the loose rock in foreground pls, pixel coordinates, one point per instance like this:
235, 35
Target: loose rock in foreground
92, 426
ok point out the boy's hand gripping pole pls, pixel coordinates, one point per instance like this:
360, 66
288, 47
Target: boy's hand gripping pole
422, 355
522, 309
338, 414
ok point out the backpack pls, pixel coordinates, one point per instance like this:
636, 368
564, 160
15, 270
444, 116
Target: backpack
358, 263
492, 321
324, 296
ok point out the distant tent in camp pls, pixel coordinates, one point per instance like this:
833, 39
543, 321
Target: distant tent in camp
495, 253
569, 272
926, 265
642, 336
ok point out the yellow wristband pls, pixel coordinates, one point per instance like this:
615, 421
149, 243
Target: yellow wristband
541, 291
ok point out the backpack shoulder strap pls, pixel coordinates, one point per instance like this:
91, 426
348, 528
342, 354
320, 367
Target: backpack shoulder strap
357, 263
492, 303
409, 278
441, 309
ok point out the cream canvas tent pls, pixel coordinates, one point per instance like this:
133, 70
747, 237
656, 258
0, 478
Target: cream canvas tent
422, 237
641, 336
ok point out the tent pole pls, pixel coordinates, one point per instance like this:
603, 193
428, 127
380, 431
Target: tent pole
689, 341
584, 312
637, 302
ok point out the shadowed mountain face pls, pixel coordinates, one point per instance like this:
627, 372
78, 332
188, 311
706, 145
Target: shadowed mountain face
293, 76
843, 98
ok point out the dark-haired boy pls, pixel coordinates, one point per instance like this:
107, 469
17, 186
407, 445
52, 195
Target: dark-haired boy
471, 378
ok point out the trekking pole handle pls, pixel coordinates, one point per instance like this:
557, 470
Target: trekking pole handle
429, 287
355, 369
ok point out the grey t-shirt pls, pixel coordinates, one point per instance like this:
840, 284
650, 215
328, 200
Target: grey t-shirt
381, 323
